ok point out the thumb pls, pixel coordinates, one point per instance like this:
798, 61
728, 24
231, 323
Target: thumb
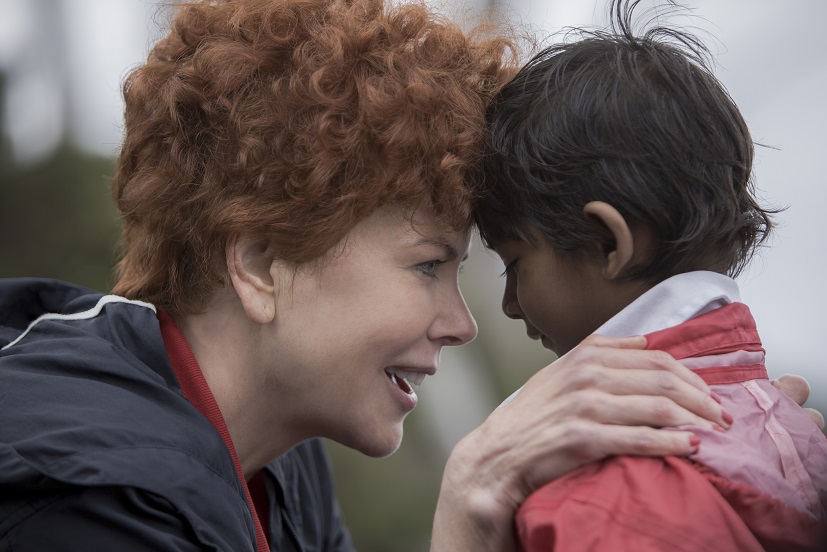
634, 342
795, 387
816, 417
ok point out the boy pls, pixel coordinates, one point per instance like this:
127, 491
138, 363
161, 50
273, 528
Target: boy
629, 168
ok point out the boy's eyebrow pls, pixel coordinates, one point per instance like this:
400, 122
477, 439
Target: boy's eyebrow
450, 251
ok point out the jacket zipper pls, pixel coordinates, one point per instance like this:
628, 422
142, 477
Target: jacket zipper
292, 530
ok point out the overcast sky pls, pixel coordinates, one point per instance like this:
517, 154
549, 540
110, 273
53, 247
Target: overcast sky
770, 56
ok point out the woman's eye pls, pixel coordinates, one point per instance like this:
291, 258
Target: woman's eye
429, 268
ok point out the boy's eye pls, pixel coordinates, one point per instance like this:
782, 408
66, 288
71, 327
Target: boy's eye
509, 268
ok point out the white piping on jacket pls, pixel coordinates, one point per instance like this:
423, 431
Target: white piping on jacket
91, 313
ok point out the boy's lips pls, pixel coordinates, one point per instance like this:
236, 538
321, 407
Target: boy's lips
531, 331
537, 336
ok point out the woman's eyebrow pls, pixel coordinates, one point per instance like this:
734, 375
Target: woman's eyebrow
451, 252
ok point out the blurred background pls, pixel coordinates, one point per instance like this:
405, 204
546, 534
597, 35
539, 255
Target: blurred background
61, 66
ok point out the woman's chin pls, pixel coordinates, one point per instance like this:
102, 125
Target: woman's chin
377, 445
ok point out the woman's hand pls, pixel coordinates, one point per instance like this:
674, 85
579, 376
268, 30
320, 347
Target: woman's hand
605, 397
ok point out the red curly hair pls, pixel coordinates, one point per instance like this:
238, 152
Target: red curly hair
295, 119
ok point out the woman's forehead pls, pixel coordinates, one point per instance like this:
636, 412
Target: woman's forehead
424, 226
411, 228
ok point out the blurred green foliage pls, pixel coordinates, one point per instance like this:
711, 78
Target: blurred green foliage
57, 219
56, 216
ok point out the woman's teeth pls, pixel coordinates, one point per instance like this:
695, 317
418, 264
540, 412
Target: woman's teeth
406, 380
413, 378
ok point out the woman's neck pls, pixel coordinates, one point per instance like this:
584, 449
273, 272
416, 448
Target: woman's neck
227, 347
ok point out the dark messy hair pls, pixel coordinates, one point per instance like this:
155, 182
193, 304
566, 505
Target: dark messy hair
639, 122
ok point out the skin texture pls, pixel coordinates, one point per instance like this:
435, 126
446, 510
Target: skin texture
314, 343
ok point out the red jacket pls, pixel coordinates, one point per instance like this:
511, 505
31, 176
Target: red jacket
678, 504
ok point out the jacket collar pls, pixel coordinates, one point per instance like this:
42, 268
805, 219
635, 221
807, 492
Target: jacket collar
672, 302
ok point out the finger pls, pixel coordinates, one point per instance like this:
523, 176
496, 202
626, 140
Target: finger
637, 410
795, 387
590, 442
597, 352
816, 417
671, 387
645, 441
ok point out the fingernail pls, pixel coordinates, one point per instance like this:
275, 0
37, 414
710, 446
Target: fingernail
694, 441
715, 397
727, 417
718, 428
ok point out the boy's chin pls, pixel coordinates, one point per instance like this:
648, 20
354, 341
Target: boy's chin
554, 347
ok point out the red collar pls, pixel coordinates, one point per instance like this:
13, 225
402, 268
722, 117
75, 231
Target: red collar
196, 390
725, 330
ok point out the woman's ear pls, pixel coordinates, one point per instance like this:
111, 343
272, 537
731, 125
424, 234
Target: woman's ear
618, 257
249, 260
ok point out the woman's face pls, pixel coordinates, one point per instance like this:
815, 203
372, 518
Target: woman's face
355, 333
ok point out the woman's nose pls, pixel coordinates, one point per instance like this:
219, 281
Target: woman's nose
457, 325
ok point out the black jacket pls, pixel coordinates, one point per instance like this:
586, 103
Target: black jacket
99, 449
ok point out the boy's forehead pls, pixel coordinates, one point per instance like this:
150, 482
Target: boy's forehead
532, 239
507, 247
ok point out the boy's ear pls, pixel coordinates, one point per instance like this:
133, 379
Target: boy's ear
249, 260
618, 257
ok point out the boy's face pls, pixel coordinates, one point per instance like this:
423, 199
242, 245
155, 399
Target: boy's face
561, 300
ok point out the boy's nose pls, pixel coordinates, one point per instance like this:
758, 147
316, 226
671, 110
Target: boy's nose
511, 311
510, 305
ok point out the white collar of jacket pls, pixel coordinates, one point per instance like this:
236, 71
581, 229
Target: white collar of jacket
672, 302
669, 303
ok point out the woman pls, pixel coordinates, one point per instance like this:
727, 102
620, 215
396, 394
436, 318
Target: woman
296, 184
